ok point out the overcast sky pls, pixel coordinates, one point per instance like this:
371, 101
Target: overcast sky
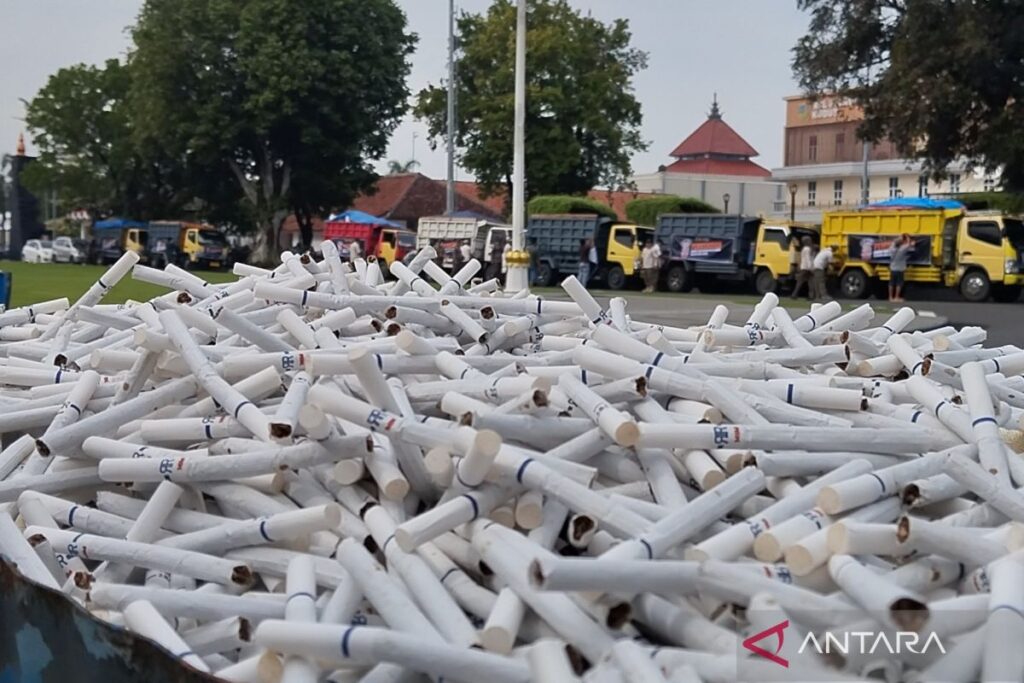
739, 48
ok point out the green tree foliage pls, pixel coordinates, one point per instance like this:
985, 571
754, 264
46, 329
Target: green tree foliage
943, 79
396, 167
289, 99
582, 120
546, 204
645, 211
81, 123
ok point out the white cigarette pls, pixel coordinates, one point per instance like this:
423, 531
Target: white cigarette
145, 620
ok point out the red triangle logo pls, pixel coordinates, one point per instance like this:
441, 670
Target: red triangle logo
779, 630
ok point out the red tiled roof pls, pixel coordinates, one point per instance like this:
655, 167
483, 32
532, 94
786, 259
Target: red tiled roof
718, 167
390, 190
714, 136
471, 191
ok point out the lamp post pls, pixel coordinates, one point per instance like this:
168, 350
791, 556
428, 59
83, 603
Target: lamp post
792, 201
518, 259
725, 201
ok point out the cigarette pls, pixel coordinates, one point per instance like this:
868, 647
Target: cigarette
991, 450
283, 527
206, 606
616, 424
287, 416
15, 548
987, 486
144, 619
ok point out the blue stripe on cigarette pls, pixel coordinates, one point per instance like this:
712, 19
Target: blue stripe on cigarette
583, 375
939, 406
344, 641
301, 594
647, 546
56, 378
71, 515
209, 432
449, 573
983, 419
305, 295
263, 531
380, 361
538, 305
650, 371
995, 363
789, 393
1015, 610
184, 654
522, 469
472, 501
914, 370
463, 375
388, 540
459, 478
657, 358
886, 327
102, 284
240, 406
963, 570
879, 480
77, 409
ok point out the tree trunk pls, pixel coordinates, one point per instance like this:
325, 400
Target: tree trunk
267, 251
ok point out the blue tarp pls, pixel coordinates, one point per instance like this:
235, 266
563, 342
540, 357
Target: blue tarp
117, 224
353, 216
917, 203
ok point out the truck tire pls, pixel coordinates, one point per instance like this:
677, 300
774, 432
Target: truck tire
1006, 294
678, 279
616, 278
854, 284
765, 282
545, 275
975, 285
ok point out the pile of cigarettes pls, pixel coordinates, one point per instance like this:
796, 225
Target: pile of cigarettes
319, 473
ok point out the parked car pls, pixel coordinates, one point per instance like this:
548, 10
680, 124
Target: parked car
37, 251
65, 250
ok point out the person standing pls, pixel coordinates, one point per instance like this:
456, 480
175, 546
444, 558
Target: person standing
805, 268
504, 262
466, 251
355, 251
898, 266
821, 264
650, 263
583, 271
592, 259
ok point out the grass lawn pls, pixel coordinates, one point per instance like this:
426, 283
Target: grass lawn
42, 281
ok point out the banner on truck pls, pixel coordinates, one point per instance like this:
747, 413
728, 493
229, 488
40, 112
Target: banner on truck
701, 249
879, 248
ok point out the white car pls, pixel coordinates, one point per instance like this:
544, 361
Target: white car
65, 251
37, 251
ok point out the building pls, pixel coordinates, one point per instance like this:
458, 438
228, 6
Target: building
23, 205
823, 163
714, 164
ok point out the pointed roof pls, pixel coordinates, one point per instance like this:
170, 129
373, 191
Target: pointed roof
714, 137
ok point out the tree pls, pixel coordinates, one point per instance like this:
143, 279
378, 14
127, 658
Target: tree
645, 211
943, 79
582, 120
396, 167
81, 124
546, 204
290, 100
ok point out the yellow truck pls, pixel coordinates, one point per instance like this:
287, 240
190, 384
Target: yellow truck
773, 254
980, 253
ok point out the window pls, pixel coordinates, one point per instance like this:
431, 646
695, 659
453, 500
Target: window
922, 186
389, 237
989, 184
812, 192
623, 237
954, 182
894, 188
840, 142
837, 192
985, 231
776, 236
812, 148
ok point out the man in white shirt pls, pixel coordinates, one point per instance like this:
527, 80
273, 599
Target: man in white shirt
355, 250
650, 264
821, 263
805, 269
466, 251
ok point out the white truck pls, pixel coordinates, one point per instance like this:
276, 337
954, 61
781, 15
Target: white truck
447, 233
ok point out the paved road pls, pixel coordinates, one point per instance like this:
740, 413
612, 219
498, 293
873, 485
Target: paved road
1004, 322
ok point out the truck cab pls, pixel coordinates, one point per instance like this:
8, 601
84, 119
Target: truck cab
189, 245
989, 257
393, 244
112, 244
773, 253
558, 236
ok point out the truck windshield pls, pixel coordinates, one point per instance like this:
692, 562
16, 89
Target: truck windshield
407, 240
212, 238
1013, 230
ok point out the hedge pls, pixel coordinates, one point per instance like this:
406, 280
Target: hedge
1006, 202
559, 203
645, 211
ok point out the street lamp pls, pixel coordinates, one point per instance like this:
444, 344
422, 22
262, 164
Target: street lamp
792, 201
725, 201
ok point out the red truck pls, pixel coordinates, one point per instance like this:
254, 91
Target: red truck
384, 242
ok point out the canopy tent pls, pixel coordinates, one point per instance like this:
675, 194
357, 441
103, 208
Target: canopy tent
917, 203
354, 216
117, 224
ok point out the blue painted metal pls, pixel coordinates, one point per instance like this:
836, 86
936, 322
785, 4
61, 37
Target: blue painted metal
44, 636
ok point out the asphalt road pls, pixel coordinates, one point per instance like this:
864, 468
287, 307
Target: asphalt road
1004, 322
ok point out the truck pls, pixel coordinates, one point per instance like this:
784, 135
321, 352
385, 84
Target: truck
979, 253
557, 238
447, 233
702, 249
188, 245
115, 236
384, 242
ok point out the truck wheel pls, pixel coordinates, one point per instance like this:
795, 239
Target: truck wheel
765, 282
1006, 294
975, 285
854, 284
545, 276
678, 279
616, 278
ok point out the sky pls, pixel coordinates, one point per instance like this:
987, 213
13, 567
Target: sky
737, 48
